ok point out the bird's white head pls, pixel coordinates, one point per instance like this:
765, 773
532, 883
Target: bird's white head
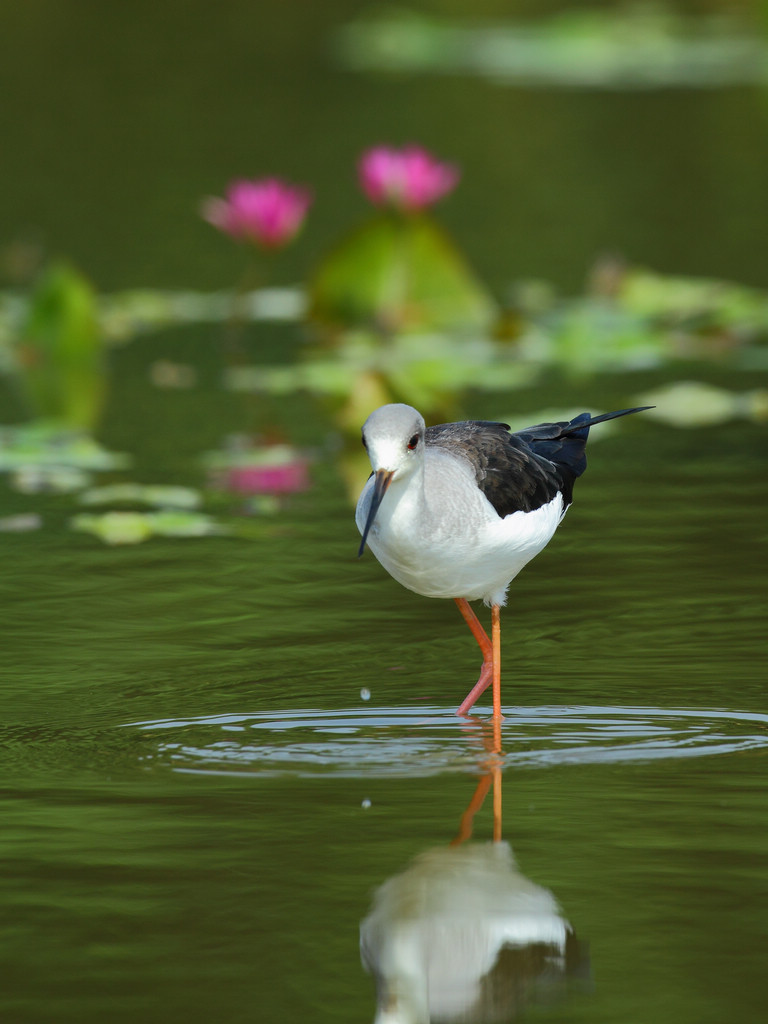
393, 436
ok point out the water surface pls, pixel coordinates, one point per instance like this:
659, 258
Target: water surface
198, 802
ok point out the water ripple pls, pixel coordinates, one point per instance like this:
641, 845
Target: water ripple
376, 742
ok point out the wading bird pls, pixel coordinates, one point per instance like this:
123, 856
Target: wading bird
457, 510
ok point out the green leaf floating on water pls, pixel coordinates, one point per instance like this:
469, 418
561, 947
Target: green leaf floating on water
398, 272
44, 445
690, 403
704, 301
60, 362
163, 496
135, 527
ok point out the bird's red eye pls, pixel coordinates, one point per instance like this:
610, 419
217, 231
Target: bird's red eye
413, 442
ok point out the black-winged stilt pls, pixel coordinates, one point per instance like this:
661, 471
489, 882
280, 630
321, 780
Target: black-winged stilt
457, 510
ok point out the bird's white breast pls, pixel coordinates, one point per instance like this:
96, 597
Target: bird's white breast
437, 534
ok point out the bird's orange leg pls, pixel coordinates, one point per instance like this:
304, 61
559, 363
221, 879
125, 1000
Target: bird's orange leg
496, 641
477, 630
491, 670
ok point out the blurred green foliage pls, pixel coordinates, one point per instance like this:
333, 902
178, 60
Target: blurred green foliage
633, 45
398, 273
60, 357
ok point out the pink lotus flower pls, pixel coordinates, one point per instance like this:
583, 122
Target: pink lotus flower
289, 478
408, 178
267, 212
244, 467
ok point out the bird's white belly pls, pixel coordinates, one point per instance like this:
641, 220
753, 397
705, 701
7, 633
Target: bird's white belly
461, 548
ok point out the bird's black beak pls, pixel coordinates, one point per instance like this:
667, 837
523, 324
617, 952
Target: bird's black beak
383, 478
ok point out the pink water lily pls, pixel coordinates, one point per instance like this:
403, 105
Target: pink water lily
288, 478
267, 212
408, 178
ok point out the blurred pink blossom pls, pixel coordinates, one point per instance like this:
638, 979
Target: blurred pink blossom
267, 212
408, 178
246, 467
288, 478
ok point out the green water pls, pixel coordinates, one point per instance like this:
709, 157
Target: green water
197, 802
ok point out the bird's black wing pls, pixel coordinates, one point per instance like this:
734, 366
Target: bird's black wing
520, 472
507, 469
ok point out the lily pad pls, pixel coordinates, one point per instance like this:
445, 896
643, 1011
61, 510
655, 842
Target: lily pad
49, 479
623, 46
142, 494
114, 527
689, 403
398, 272
119, 528
701, 302
24, 522
46, 444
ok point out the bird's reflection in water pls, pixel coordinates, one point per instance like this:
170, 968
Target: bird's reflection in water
461, 935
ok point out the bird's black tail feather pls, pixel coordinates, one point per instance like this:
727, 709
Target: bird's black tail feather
577, 427
579, 423
564, 443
